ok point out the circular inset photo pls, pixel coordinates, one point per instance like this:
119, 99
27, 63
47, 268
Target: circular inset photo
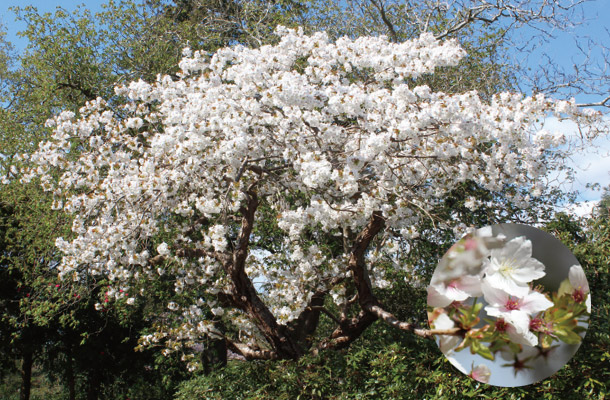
510, 305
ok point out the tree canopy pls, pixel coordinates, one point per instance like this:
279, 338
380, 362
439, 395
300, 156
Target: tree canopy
343, 156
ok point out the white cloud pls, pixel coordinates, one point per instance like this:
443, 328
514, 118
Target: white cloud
581, 208
591, 163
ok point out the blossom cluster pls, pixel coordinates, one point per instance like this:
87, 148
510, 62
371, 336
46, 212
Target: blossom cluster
326, 133
483, 272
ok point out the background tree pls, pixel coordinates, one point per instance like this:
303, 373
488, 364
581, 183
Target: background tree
603, 208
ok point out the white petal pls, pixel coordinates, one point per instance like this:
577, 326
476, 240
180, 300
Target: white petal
436, 298
532, 269
526, 338
481, 373
456, 294
471, 284
443, 322
516, 248
494, 311
535, 302
520, 247
447, 343
519, 319
499, 281
578, 279
519, 328
493, 296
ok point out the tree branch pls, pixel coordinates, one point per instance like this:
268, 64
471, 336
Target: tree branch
250, 353
347, 332
308, 320
244, 293
602, 103
386, 21
391, 320
356, 261
367, 300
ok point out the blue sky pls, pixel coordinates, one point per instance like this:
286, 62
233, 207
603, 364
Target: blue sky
591, 166
7, 17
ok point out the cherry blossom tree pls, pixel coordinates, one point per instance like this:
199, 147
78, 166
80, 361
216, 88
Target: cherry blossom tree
279, 184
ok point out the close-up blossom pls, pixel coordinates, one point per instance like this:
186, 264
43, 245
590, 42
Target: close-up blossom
441, 294
515, 310
577, 286
502, 303
511, 267
480, 373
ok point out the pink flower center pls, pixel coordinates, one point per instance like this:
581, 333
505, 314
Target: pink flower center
536, 324
578, 296
540, 325
501, 326
512, 304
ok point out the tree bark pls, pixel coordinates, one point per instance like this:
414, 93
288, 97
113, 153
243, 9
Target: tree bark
26, 375
70, 374
93, 388
357, 265
244, 293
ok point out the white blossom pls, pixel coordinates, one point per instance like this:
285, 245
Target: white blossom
446, 342
163, 249
512, 267
577, 286
515, 310
481, 373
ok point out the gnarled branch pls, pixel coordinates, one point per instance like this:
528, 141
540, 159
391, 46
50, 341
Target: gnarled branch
244, 293
250, 353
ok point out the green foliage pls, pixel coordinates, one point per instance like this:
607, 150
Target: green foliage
603, 208
379, 366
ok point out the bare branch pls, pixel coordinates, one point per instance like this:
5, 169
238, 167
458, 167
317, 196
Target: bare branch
378, 4
391, 320
325, 311
250, 353
602, 103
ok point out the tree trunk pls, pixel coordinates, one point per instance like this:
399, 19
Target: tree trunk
70, 374
26, 375
94, 386
214, 356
